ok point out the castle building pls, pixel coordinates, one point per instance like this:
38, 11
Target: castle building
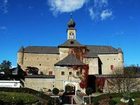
68, 64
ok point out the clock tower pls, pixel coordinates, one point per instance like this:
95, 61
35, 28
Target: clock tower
71, 31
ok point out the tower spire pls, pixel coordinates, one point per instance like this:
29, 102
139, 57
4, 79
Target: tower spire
71, 23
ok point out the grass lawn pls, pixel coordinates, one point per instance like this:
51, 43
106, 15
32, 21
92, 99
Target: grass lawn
117, 99
14, 97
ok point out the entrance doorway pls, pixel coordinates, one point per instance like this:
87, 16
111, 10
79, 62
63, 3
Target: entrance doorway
70, 89
92, 82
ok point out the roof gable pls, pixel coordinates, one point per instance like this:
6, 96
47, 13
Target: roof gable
71, 43
70, 60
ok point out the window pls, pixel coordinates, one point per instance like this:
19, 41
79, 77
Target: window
70, 73
77, 73
71, 42
50, 72
62, 73
112, 67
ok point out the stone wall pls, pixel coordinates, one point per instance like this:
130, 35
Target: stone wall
39, 84
44, 62
108, 60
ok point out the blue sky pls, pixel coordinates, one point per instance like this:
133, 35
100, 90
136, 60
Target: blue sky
44, 23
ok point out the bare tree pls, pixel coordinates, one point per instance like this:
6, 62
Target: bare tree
115, 81
131, 80
123, 80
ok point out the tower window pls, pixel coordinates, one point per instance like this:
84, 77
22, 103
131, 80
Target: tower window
71, 42
71, 33
62, 73
77, 73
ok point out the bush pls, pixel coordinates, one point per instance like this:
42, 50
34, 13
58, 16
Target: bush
20, 102
89, 91
1, 102
130, 102
55, 91
53, 101
112, 102
96, 103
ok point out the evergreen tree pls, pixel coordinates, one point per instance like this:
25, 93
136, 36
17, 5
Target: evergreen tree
5, 66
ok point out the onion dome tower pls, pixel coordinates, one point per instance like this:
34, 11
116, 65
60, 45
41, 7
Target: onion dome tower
71, 31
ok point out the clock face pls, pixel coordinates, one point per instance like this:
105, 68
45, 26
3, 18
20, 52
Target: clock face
71, 36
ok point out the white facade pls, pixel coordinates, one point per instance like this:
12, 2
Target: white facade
10, 84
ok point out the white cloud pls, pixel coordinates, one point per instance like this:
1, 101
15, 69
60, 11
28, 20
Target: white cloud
91, 13
4, 6
100, 3
99, 10
106, 14
65, 6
